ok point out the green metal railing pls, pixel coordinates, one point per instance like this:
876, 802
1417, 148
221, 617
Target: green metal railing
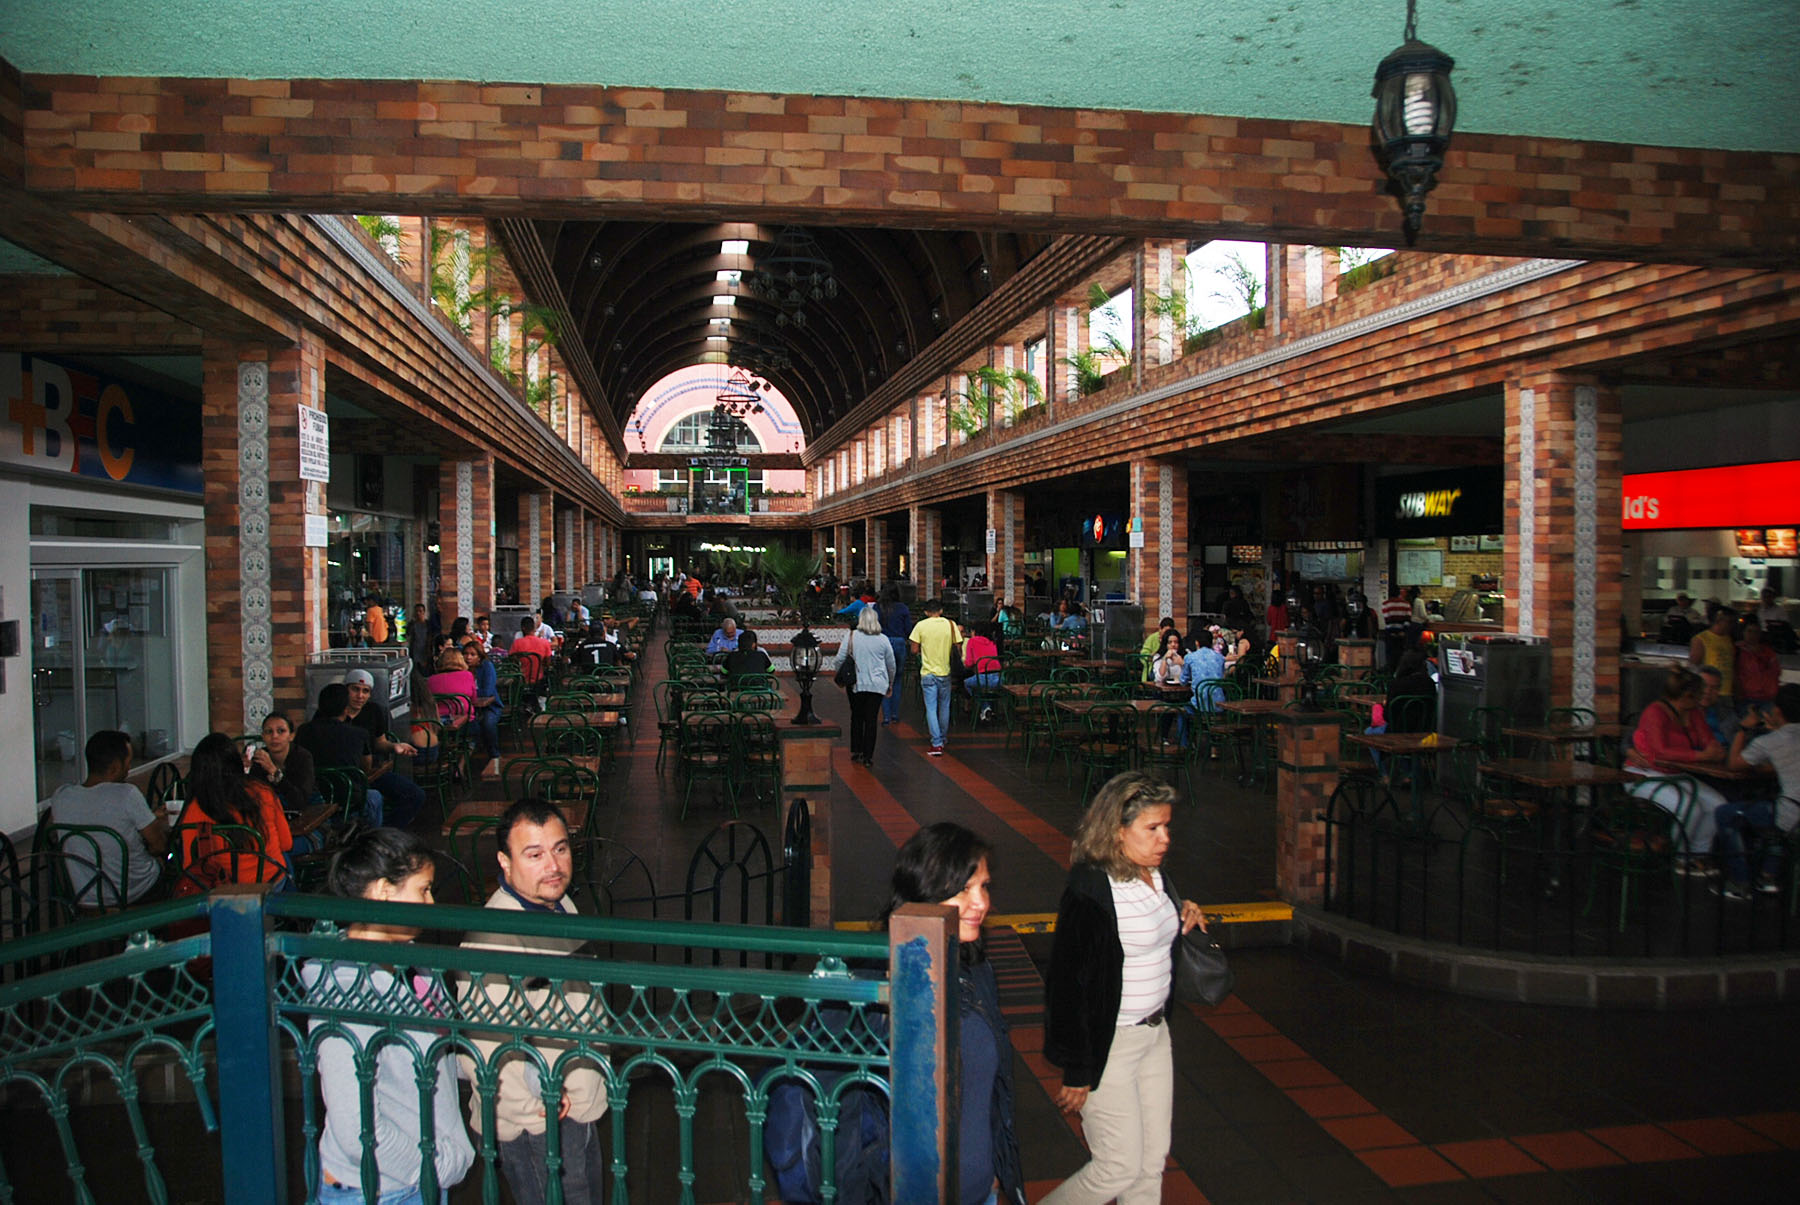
273, 978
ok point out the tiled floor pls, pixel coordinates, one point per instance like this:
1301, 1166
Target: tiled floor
1312, 1084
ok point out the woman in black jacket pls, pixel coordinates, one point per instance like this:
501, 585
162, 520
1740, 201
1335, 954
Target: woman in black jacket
1111, 970
947, 864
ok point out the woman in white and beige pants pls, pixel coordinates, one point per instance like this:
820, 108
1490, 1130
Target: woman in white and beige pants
1107, 997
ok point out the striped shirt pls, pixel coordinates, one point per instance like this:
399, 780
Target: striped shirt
1147, 928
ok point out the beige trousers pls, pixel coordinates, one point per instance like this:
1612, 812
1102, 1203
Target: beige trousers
1126, 1122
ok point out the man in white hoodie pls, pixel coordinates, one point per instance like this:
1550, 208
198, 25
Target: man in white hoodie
535, 869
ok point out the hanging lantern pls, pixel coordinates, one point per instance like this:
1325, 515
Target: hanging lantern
1415, 113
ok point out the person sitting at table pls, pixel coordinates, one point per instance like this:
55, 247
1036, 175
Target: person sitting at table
488, 708
1152, 648
1767, 742
1757, 668
1233, 647
1720, 716
981, 656
283, 765
1671, 734
219, 792
724, 638
335, 743
1069, 618
106, 800
528, 641
1169, 659
747, 658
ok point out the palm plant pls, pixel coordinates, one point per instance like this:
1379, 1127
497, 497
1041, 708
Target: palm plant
790, 570
1090, 370
384, 230
1006, 390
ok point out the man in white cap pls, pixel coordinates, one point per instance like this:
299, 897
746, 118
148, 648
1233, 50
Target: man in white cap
402, 798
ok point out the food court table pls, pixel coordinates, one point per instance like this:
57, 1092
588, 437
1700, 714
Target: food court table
1257, 712
1408, 745
1565, 734
309, 819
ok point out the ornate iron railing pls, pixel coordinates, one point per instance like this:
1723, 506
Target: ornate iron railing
274, 979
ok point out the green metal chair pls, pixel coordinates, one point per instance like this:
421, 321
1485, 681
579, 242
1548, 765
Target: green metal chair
1638, 836
100, 863
705, 751
1109, 743
348, 788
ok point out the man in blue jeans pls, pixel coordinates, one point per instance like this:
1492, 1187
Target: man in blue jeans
896, 623
934, 639
1768, 742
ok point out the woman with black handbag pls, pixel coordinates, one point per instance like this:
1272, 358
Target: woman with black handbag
1106, 1008
873, 678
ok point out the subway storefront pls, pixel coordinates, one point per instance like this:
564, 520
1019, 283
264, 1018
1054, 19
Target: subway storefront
1443, 532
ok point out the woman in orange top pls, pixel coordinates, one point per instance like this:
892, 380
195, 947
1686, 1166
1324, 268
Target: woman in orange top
219, 792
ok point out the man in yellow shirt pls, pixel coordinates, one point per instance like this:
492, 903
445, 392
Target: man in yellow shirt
934, 638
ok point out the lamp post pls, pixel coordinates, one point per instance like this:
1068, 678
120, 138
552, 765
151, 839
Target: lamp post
807, 657
1415, 113
1310, 653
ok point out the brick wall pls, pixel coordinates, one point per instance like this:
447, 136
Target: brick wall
587, 152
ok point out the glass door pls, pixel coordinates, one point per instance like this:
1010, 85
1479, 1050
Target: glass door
55, 668
103, 656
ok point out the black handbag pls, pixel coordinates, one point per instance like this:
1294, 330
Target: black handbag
846, 672
1202, 975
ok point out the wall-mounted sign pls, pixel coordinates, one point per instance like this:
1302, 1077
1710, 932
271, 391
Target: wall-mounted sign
62, 419
1465, 502
315, 445
318, 531
718, 462
1736, 496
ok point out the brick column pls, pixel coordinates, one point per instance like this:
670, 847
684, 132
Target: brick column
1306, 774
465, 536
590, 548
1006, 566
1159, 570
926, 534
1563, 557
875, 550
1164, 276
537, 546
843, 536
265, 589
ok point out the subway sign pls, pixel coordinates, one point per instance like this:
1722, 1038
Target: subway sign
60, 419
1454, 502
1734, 496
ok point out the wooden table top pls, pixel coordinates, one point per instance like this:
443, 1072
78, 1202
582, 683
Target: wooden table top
1041, 652
307, 820
512, 761
603, 702
1554, 774
1403, 742
592, 719
1083, 706
1364, 701
1585, 732
1252, 706
1714, 770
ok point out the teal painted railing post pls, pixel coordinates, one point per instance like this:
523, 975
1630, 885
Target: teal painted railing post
922, 971
250, 1123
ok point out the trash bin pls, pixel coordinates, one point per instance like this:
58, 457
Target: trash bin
391, 667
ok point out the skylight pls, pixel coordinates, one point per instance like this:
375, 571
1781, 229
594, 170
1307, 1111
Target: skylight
725, 299
728, 276
735, 246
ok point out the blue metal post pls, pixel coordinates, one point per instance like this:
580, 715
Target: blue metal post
922, 970
250, 1120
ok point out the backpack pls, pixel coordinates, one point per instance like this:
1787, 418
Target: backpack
793, 1143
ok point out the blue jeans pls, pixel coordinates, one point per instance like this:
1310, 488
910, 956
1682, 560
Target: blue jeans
890, 705
980, 681
401, 799
583, 1169
1728, 843
937, 705
343, 1194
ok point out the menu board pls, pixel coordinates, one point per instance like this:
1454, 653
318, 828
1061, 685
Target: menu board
1418, 566
1781, 541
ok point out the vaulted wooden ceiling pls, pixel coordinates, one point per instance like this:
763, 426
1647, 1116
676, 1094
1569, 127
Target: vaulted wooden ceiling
641, 298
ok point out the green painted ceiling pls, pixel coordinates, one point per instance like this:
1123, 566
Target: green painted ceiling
1668, 72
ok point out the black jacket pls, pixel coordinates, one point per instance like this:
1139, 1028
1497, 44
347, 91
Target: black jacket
978, 991
1087, 965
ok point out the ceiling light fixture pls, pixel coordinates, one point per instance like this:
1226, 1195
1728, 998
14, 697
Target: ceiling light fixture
1415, 113
795, 272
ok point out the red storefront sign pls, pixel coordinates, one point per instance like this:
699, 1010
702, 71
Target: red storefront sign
1736, 496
